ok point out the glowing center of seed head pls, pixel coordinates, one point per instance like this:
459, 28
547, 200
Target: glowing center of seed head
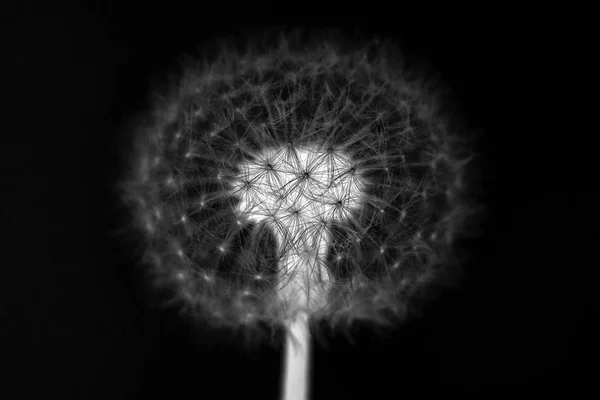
298, 189
298, 192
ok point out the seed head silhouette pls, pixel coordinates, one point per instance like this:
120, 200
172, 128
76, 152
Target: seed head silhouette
295, 183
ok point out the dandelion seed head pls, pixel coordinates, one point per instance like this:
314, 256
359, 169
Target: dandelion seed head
299, 163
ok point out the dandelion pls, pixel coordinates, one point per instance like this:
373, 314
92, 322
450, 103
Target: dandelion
300, 183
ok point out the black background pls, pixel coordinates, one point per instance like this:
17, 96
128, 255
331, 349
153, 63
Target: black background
76, 322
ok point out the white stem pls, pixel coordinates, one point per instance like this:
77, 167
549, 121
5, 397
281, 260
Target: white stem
304, 292
297, 360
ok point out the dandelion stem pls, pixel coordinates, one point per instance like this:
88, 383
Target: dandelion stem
297, 360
